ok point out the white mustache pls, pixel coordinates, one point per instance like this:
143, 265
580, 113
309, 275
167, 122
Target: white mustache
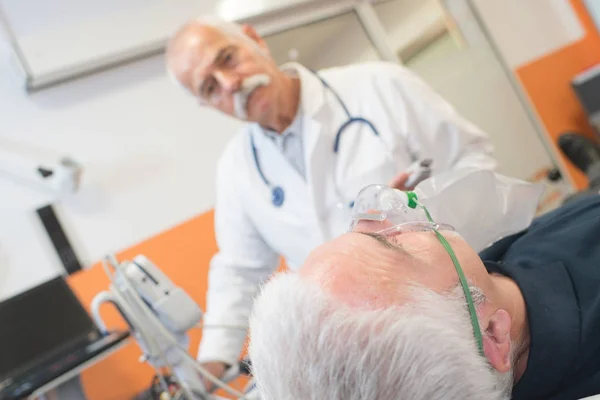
240, 98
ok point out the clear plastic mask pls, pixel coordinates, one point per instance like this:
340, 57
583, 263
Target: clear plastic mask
385, 211
389, 211
481, 205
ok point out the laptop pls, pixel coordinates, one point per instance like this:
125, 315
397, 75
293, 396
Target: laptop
586, 86
45, 332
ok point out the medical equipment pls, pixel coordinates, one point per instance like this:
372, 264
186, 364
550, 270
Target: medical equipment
412, 202
419, 173
309, 216
62, 176
481, 205
159, 314
460, 194
277, 192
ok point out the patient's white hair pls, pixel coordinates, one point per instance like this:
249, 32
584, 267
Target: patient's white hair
307, 345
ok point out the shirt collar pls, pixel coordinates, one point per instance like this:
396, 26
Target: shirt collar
311, 88
311, 98
554, 321
295, 128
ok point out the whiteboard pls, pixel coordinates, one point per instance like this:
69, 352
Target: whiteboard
65, 38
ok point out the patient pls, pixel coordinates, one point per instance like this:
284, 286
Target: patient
372, 317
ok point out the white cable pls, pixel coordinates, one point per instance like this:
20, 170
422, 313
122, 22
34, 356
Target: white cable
195, 364
137, 325
200, 325
213, 379
161, 378
141, 305
106, 269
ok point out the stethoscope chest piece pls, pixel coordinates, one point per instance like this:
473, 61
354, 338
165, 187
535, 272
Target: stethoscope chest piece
277, 196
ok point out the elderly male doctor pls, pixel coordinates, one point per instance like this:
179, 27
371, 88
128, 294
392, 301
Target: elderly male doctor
285, 183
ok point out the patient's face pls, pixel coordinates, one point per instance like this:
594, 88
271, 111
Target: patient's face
365, 269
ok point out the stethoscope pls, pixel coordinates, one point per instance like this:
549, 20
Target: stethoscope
277, 192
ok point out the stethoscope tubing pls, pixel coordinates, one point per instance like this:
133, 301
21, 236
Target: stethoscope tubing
277, 192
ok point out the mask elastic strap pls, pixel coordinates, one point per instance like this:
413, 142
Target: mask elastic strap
461, 276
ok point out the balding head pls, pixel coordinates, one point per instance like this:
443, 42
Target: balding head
370, 317
225, 27
223, 64
367, 267
191, 39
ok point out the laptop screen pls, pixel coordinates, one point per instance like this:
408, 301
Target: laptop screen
586, 86
39, 323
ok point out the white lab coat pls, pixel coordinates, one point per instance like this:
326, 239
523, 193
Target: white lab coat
413, 123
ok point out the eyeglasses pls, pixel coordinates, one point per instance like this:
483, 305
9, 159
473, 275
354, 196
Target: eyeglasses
211, 91
388, 212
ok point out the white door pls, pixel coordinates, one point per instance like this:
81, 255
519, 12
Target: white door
333, 41
473, 80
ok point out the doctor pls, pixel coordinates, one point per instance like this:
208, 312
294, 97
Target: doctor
285, 184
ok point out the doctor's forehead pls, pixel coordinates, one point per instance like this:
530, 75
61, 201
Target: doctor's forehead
194, 46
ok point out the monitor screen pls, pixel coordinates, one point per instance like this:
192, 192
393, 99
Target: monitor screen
587, 89
39, 323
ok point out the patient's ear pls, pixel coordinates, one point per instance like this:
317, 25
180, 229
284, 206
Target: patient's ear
496, 340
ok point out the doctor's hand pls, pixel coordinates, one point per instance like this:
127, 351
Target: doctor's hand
216, 368
399, 182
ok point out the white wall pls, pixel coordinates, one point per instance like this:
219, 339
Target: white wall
527, 30
521, 33
417, 18
593, 7
324, 43
72, 34
341, 39
472, 79
149, 152
149, 155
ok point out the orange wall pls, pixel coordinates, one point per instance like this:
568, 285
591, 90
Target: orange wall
547, 83
183, 253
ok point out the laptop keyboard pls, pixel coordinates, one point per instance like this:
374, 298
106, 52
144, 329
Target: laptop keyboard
27, 383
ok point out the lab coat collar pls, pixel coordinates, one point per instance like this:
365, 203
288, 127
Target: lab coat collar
554, 325
312, 91
312, 99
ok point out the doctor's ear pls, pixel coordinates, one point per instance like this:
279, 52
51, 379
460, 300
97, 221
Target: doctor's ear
496, 341
252, 34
